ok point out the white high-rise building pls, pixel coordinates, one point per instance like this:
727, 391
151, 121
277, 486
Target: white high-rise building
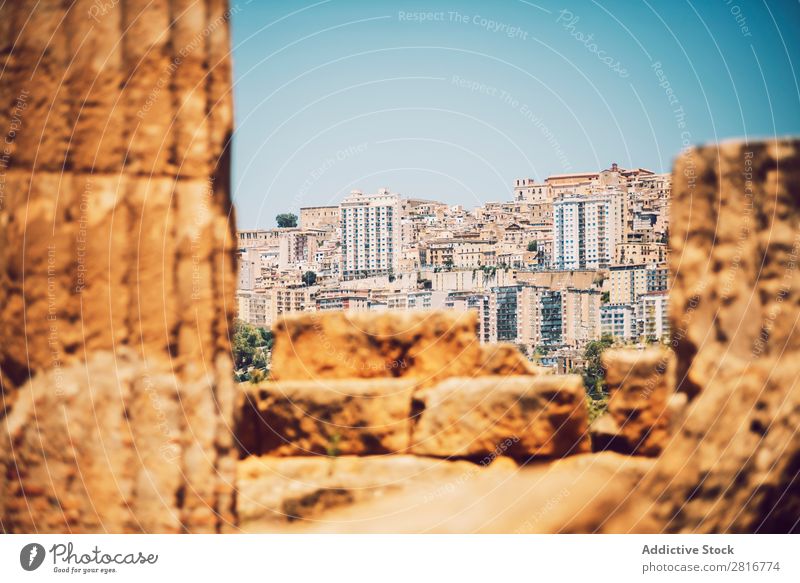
654, 315
370, 234
585, 231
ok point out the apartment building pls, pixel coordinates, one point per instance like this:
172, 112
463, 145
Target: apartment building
504, 314
261, 313
480, 304
626, 283
619, 322
462, 301
352, 302
580, 317
262, 307
252, 307
461, 253
319, 217
550, 319
426, 300
298, 247
416, 300
657, 278
370, 234
585, 232
638, 253
249, 268
654, 316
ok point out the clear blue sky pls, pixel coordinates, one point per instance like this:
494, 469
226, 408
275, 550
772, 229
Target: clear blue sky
453, 105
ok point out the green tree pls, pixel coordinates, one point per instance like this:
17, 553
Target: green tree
260, 359
605, 297
247, 340
596, 406
533, 246
309, 278
243, 346
538, 353
593, 367
266, 338
257, 375
286, 220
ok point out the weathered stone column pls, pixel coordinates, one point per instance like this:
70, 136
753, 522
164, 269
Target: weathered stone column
735, 258
116, 266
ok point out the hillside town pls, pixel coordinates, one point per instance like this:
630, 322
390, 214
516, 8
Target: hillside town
573, 259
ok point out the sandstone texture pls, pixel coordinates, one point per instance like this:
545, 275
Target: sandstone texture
333, 345
116, 267
506, 359
640, 384
328, 417
517, 416
534, 499
734, 465
276, 494
606, 435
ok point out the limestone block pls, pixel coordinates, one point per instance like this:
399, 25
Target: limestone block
523, 416
639, 386
276, 493
424, 345
327, 417
505, 359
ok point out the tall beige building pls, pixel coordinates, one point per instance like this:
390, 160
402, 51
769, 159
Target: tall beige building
319, 217
626, 283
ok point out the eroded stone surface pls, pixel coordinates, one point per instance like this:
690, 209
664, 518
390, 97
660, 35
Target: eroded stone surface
640, 383
276, 494
333, 417
116, 248
538, 498
506, 359
424, 345
524, 416
109, 446
733, 466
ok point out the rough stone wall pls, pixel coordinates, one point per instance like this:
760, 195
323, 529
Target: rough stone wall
640, 387
734, 465
421, 383
116, 266
425, 412
731, 459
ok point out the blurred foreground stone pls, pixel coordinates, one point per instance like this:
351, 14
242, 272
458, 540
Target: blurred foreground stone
734, 464
505, 359
639, 384
276, 494
515, 416
534, 499
116, 267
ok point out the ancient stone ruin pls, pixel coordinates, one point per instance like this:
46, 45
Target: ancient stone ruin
424, 411
116, 268
116, 286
